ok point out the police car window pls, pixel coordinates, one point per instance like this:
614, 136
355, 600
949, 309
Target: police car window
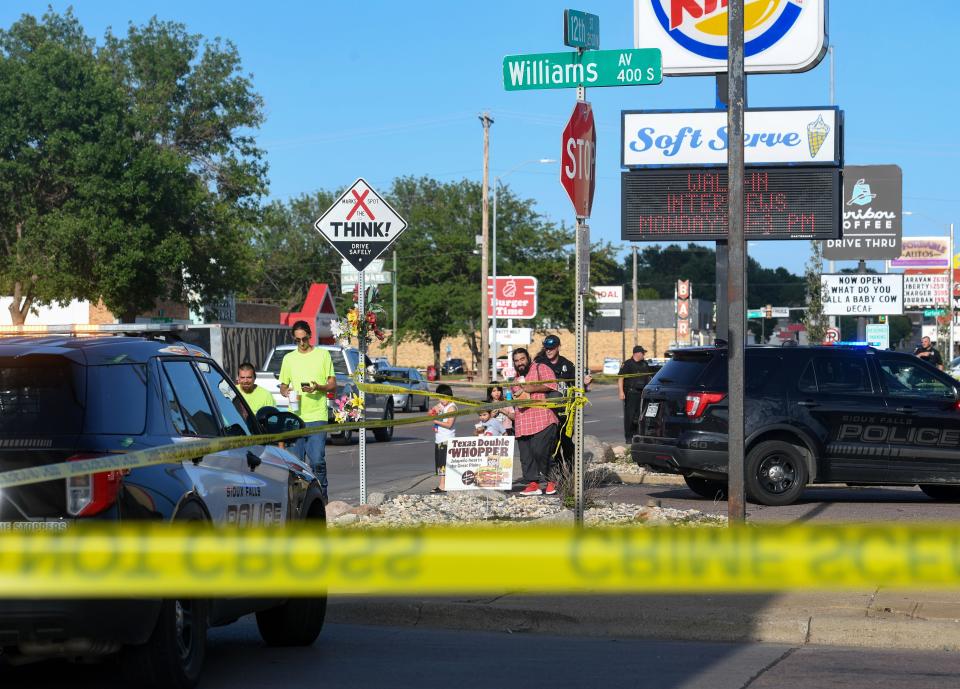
41, 395
842, 374
909, 379
762, 374
808, 379
117, 403
234, 414
196, 417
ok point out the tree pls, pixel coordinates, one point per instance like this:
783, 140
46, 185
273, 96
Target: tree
814, 318
125, 175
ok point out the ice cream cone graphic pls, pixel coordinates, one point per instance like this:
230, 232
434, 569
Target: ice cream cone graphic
816, 134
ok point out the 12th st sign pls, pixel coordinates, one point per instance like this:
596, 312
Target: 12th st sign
360, 225
591, 68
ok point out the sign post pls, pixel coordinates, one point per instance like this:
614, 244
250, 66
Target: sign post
361, 226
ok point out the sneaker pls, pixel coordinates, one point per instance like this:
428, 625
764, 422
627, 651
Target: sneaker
551, 488
533, 488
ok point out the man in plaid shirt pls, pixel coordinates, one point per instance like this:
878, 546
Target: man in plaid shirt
535, 427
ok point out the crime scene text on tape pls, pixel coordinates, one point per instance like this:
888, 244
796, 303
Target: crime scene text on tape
305, 559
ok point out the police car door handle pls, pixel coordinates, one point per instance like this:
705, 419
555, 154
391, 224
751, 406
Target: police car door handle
906, 410
808, 403
253, 461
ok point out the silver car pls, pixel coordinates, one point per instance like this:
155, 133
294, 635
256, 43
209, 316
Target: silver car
410, 378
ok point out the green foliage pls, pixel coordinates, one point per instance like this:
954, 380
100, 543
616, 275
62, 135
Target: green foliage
814, 318
127, 177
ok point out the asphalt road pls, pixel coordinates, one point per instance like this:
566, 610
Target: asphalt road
401, 658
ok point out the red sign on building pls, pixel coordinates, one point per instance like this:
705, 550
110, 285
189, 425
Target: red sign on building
516, 296
578, 159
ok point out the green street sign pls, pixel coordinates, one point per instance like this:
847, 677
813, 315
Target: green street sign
755, 313
581, 30
935, 312
592, 68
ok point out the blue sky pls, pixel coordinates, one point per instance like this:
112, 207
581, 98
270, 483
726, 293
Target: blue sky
382, 89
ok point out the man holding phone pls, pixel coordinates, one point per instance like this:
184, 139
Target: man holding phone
309, 370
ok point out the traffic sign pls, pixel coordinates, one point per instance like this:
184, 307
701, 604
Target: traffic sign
590, 69
833, 335
374, 274
578, 159
934, 312
581, 30
360, 225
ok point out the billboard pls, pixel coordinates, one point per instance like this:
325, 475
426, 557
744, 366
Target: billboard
923, 252
862, 295
872, 214
779, 35
516, 296
674, 204
775, 136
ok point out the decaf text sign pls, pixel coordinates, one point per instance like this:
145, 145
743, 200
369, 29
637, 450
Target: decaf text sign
862, 295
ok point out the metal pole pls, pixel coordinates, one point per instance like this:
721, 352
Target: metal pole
950, 300
722, 248
861, 320
830, 266
394, 338
582, 285
484, 253
362, 366
623, 330
493, 336
736, 280
636, 326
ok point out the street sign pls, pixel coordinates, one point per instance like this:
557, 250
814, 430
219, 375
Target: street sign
374, 274
754, 313
862, 295
934, 312
832, 335
590, 69
516, 296
581, 29
360, 225
878, 335
691, 204
872, 210
578, 160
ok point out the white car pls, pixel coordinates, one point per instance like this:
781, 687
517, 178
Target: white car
611, 365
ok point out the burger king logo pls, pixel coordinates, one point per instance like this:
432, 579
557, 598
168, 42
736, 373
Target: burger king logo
780, 35
700, 26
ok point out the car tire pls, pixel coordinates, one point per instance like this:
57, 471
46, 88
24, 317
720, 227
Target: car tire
775, 473
174, 654
298, 621
347, 438
707, 488
942, 493
408, 404
426, 403
385, 435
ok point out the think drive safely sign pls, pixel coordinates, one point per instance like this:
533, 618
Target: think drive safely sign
360, 225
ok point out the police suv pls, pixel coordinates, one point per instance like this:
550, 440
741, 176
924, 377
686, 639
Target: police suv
64, 399
812, 415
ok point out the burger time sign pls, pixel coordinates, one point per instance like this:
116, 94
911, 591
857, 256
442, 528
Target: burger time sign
779, 35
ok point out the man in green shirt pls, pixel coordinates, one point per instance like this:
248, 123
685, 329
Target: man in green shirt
307, 374
255, 396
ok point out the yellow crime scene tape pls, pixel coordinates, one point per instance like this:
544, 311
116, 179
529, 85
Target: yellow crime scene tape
303, 560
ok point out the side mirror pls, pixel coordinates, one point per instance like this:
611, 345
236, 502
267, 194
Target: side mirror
272, 420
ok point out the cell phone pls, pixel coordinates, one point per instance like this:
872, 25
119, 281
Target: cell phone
304, 386
509, 394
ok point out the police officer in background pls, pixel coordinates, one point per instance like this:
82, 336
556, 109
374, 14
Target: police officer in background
928, 353
632, 388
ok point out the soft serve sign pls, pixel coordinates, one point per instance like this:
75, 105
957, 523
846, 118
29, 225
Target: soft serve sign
772, 137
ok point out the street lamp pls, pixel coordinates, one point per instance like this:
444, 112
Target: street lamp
949, 279
496, 185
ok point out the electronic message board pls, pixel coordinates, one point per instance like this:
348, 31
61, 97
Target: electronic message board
689, 204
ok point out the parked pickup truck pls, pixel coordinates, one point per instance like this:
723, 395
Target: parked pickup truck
345, 361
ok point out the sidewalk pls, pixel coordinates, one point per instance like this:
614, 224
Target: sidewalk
919, 620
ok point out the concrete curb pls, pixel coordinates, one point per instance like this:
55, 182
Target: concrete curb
830, 626
614, 477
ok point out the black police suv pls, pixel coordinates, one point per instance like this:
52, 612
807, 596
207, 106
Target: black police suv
812, 415
64, 399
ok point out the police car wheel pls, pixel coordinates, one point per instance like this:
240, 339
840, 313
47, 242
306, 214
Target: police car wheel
943, 493
299, 621
385, 435
173, 656
775, 473
707, 488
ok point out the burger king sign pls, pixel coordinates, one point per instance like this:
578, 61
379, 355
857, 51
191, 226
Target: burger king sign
779, 35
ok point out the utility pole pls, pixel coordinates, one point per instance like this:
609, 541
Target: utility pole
636, 326
482, 369
394, 333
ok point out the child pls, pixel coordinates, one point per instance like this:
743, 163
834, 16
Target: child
488, 425
443, 431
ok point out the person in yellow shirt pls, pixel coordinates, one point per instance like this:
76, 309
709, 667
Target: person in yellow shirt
255, 396
308, 373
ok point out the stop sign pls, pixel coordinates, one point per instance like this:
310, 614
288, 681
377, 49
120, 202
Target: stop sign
577, 159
